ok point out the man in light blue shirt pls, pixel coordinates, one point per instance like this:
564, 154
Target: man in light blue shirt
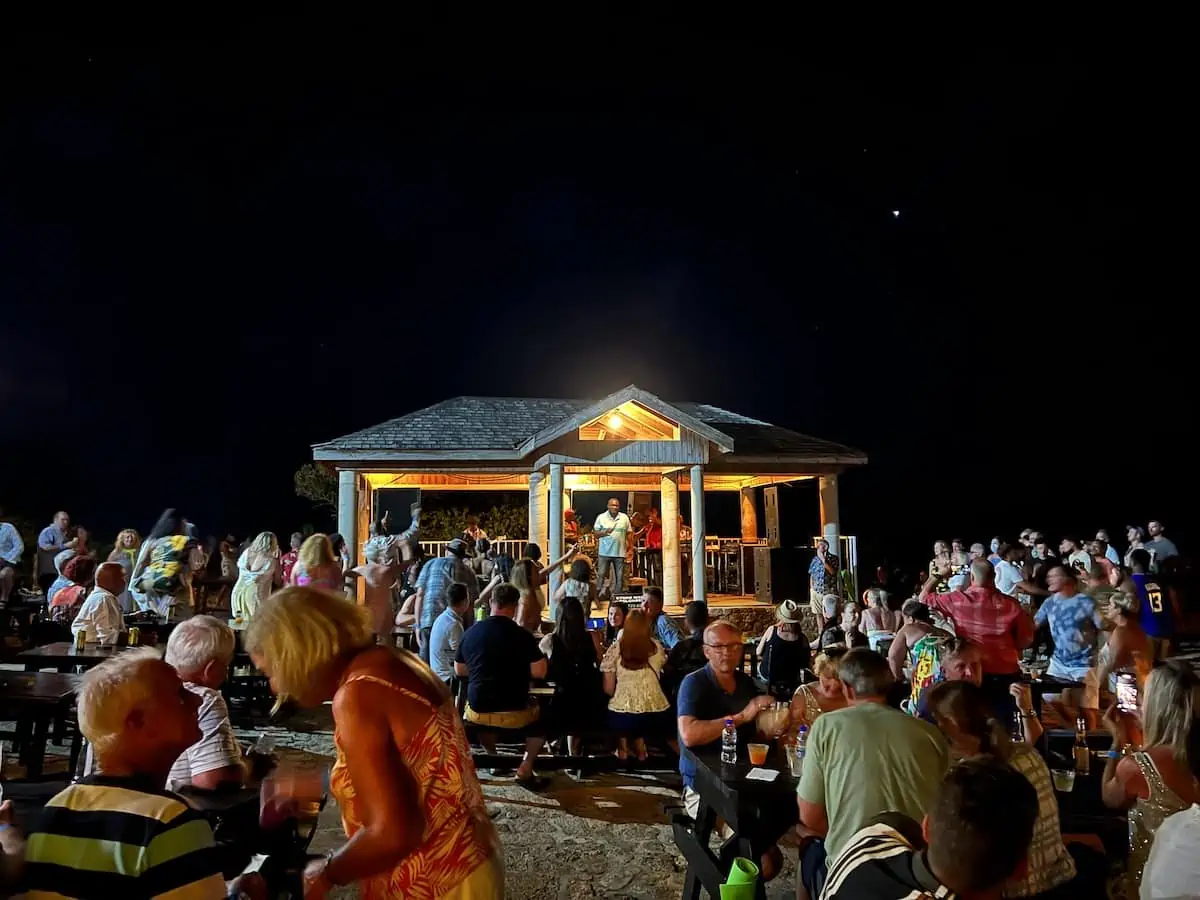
665, 630
448, 631
53, 540
612, 527
11, 550
1075, 625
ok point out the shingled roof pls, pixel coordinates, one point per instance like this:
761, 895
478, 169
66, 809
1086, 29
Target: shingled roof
500, 424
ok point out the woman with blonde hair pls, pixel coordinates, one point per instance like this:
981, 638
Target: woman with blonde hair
317, 566
126, 548
529, 610
403, 777
1154, 782
256, 575
824, 695
638, 705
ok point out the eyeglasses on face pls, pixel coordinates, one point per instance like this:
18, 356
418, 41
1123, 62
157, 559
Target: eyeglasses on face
725, 647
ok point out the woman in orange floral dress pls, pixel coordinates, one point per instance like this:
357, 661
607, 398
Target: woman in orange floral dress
404, 780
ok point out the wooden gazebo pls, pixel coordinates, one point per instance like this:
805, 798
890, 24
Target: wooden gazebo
628, 441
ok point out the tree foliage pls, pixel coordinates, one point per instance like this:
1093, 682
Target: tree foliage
317, 484
509, 520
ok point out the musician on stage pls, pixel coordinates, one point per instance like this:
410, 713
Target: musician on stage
612, 527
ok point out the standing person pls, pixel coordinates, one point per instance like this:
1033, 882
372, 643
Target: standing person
638, 706
994, 622
574, 658
1160, 546
126, 549
431, 598
256, 575
862, 760
1110, 552
1127, 649
577, 584
1136, 537
1072, 552
53, 540
163, 572
317, 566
918, 623
379, 575
473, 531
411, 805
653, 535
529, 613
287, 562
612, 527
447, 633
1158, 611
822, 580
1075, 625
12, 548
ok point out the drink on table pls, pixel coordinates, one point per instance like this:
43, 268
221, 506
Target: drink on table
1064, 780
758, 753
729, 743
796, 757
1083, 756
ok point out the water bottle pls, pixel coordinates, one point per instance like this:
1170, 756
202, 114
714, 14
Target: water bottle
796, 763
729, 743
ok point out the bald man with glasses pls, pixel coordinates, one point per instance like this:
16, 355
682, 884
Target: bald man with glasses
709, 696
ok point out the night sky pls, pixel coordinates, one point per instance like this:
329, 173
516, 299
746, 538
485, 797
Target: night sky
218, 250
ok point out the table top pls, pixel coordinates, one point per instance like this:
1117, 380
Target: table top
747, 805
44, 687
67, 650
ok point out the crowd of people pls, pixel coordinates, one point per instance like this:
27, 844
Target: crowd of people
922, 777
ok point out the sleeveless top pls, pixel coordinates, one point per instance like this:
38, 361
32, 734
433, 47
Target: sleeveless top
1146, 815
783, 659
812, 704
458, 836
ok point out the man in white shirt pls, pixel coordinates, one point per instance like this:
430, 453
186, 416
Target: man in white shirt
100, 616
612, 527
1110, 552
11, 550
1075, 555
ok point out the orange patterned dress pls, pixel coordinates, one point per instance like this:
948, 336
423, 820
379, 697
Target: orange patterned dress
459, 836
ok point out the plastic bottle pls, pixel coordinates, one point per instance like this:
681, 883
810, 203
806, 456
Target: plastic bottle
797, 761
729, 743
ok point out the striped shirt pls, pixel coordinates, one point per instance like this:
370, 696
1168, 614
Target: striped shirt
121, 837
217, 748
883, 862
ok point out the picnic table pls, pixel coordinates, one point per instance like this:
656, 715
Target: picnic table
63, 656
758, 812
35, 701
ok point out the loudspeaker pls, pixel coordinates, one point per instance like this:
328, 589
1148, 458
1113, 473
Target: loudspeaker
781, 573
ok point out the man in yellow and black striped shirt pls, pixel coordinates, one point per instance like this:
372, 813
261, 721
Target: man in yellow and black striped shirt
122, 834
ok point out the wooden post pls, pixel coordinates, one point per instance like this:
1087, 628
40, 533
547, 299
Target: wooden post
537, 511
749, 517
699, 572
347, 509
555, 526
672, 589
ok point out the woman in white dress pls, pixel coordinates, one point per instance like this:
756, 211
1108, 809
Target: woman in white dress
256, 575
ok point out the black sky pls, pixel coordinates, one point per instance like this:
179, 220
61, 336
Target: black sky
216, 250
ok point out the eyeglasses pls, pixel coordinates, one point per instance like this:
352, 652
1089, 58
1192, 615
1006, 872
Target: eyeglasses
725, 647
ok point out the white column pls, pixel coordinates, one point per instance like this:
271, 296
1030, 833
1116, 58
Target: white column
672, 589
555, 526
830, 526
537, 510
699, 576
347, 509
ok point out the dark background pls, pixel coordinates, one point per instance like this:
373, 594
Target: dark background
222, 245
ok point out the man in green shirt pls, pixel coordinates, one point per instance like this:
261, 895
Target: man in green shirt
864, 760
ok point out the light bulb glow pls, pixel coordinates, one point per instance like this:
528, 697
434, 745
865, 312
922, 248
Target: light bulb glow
614, 422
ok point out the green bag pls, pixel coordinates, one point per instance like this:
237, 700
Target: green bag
742, 880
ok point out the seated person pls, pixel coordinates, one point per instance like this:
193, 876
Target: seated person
122, 834
499, 658
447, 632
709, 696
200, 650
100, 615
974, 837
688, 655
12, 851
78, 572
942, 658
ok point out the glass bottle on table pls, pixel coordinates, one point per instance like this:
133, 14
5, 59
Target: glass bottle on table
1083, 755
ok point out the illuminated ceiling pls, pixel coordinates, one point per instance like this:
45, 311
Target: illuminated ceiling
630, 422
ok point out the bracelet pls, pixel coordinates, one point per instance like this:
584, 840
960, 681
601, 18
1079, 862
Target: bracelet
1027, 715
1116, 754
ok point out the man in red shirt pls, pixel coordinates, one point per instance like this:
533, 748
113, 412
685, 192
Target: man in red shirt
993, 621
654, 538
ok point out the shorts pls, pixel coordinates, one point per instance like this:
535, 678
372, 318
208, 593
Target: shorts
816, 603
514, 720
691, 805
1086, 674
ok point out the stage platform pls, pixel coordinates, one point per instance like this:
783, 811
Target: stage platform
748, 614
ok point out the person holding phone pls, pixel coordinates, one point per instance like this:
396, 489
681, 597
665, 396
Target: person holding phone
1128, 649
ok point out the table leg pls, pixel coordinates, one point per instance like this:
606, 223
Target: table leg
37, 747
703, 871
